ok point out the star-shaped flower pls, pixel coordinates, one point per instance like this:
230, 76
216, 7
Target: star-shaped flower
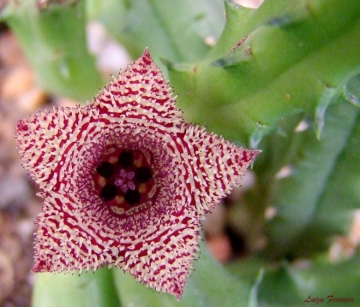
125, 181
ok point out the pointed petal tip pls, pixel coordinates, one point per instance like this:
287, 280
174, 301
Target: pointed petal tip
255, 152
20, 128
253, 155
250, 154
21, 125
36, 268
41, 265
178, 291
146, 56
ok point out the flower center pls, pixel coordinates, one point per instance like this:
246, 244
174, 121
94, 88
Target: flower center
124, 179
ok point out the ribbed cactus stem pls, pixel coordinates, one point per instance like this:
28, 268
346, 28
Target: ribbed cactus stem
297, 59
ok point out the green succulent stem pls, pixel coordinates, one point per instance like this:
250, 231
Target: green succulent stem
284, 65
88, 289
54, 40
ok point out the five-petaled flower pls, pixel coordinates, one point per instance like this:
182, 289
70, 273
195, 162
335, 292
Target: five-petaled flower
125, 181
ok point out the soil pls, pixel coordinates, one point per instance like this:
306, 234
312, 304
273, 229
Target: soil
19, 206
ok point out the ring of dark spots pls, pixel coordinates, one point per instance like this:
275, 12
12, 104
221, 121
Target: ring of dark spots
108, 192
143, 174
126, 159
132, 197
111, 172
105, 170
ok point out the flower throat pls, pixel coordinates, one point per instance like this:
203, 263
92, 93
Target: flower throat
124, 179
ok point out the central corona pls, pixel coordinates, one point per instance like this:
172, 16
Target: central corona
124, 179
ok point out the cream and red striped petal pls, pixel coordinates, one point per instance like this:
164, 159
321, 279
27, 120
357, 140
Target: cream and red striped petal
46, 139
141, 95
159, 255
216, 165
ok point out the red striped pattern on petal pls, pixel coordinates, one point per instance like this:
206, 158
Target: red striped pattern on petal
141, 95
216, 165
46, 140
159, 255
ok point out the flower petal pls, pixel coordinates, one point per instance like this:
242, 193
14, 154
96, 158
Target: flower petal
159, 255
46, 140
140, 94
216, 165
210, 167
